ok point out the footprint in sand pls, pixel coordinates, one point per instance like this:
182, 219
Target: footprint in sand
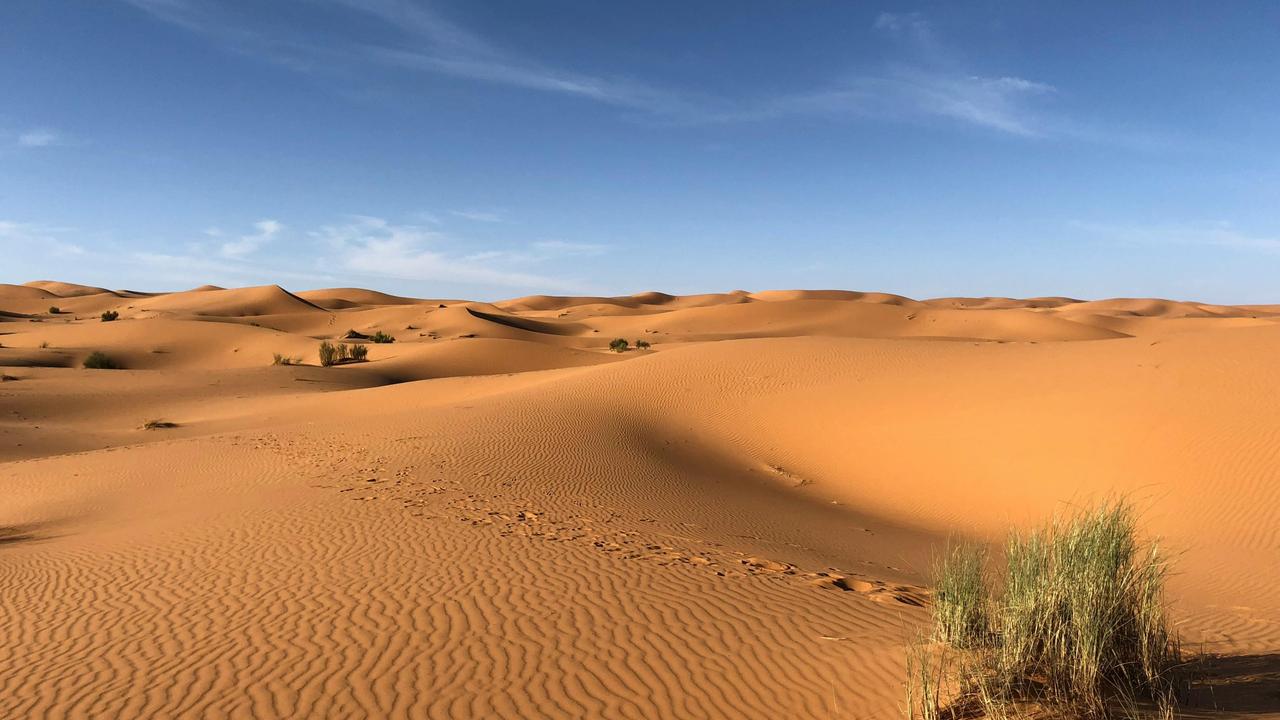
875, 590
767, 565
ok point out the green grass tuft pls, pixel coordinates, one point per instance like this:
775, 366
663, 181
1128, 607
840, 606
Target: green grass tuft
961, 603
1078, 626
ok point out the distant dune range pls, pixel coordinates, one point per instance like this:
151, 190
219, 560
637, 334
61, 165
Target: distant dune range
496, 516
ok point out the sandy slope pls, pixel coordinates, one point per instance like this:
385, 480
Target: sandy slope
497, 517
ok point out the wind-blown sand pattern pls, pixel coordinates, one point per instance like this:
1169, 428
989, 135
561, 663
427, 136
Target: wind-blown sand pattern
497, 517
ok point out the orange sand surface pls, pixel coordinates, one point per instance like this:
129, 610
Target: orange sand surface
497, 517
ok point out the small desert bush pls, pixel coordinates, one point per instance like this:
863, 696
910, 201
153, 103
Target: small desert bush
1077, 629
158, 425
619, 345
110, 315
53, 310
278, 359
44, 344
381, 337
99, 360
328, 353
642, 344
331, 354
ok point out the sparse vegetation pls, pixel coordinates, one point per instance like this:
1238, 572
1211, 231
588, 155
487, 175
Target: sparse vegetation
44, 344
642, 344
381, 338
619, 345
53, 310
328, 353
331, 354
1077, 629
99, 360
278, 359
158, 425
110, 315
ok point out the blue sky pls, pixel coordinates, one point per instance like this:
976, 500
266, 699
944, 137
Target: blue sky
499, 148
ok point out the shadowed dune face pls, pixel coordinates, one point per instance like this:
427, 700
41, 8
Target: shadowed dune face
497, 516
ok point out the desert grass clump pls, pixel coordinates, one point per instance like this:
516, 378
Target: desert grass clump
99, 360
53, 310
278, 359
619, 345
961, 599
381, 338
359, 353
1076, 626
328, 353
110, 315
642, 344
158, 425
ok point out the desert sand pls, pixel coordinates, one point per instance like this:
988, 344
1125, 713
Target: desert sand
496, 516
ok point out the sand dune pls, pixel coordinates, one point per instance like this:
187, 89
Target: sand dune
66, 290
239, 302
354, 297
495, 516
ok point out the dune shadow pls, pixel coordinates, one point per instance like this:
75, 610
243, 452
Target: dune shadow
1245, 684
17, 534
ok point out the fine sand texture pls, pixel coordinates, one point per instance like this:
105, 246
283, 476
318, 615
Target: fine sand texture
496, 516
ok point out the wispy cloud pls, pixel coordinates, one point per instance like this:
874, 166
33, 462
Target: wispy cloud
37, 238
425, 41
921, 80
358, 247
266, 230
196, 268
912, 26
1221, 234
916, 94
562, 248
39, 138
487, 216
377, 247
